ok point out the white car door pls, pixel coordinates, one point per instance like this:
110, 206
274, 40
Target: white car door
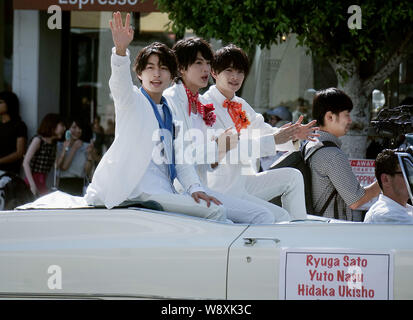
113, 253
306, 260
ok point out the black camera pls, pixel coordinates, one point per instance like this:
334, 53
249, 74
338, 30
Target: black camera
393, 125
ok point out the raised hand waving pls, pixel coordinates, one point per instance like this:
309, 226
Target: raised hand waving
122, 35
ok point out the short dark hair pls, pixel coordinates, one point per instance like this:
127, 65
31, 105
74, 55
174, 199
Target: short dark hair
386, 162
186, 51
12, 103
331, 99
49, 124
230, 56
165, 54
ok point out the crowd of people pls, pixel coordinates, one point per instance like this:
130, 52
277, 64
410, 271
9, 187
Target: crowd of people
167, 116
60, 149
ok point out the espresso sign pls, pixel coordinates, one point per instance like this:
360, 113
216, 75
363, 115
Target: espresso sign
88, 5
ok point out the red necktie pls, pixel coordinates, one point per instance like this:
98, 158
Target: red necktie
203, 109
192, 99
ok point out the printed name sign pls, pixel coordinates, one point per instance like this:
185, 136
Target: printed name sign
336, 274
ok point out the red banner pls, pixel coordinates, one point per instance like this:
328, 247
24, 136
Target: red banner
88, 5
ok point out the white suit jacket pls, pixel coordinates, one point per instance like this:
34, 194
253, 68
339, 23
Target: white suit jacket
123, 165
178, 102
230, 178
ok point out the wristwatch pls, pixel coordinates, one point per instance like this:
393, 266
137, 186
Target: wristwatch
67, 149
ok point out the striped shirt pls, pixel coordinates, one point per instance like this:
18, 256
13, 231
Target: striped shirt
330, 169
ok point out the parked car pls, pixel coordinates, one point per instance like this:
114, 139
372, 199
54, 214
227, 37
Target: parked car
134, 252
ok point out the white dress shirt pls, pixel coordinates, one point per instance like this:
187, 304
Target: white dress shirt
156, 178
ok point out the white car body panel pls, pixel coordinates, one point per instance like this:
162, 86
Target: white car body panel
143, 254
259, 278
140, 253
120, 252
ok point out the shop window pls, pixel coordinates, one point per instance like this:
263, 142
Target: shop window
89, 59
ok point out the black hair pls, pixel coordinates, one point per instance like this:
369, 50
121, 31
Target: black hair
230, 56
86, 129
166, 58
186, 51
331, 99
13, 105
386, 162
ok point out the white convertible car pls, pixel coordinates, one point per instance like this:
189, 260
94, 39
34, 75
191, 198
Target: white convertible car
134, 252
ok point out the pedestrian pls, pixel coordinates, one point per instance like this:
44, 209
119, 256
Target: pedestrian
75, 160
13, 133
279, 116
41, 153
98, 136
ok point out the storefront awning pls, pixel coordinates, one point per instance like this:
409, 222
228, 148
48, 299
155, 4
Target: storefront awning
88, 5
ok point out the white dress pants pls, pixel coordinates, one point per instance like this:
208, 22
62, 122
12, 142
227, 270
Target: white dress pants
183, 203
235, 209
243, 211
287, 182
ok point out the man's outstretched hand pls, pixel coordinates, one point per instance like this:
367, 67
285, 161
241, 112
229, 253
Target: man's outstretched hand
297, 131
122, 35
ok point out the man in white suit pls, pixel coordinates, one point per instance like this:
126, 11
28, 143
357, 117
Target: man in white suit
194, 126
235, 179
140, 163
194, 63
229, 69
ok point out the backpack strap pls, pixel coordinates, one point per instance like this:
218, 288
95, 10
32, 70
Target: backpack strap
334, 193
328, 202
325, 144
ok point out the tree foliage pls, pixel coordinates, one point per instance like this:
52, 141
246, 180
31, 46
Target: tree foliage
321, 26
361, 58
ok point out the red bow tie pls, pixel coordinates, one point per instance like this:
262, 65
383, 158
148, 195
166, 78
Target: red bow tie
238, 116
